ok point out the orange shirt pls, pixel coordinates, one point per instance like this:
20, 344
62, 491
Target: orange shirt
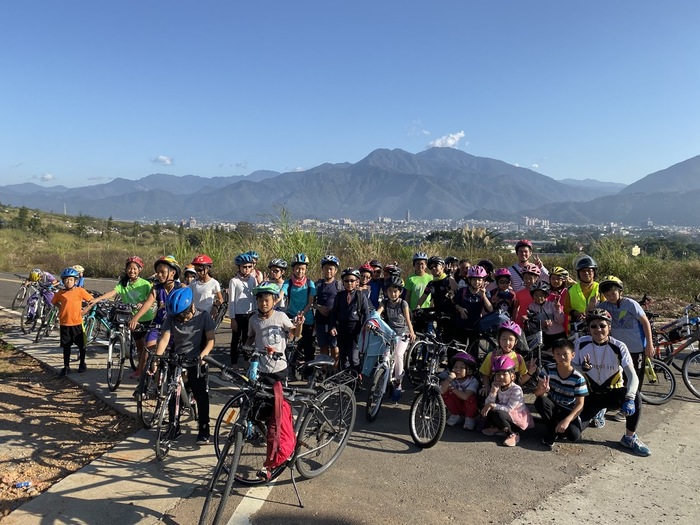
70, 304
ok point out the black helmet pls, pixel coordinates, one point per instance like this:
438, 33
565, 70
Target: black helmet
486, 265
599, 313
542, 286
586, 261
435, 260
394, 280
451, 259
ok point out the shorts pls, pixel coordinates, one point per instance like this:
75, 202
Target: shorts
142, 333
73, 335
324, 338
152, 335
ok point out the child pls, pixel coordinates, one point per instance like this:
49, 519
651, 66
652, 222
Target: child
133, 290
459, 390
275, 274
508, 335
505, 408
206, 290
256, 272
301, 292
549, 314
81, 271
70, 316
460, 276
189, 275
191, 332
441, 289
560, 392
364, 285
503, 297
241, 302
558, 289
398, 317
530, 275
350, 311
470, 303
268, 329
375, 284
416, 283
326, 290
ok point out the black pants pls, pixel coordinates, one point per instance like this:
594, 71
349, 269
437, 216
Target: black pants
348, 335
552, 414
306, 343
72, 335
611, 399
502, 421
199, 386
238, 335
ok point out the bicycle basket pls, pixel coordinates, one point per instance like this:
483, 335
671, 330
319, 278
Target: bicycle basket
344, 377
120, 313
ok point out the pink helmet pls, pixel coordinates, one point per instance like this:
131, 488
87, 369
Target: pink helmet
511, 327
476, 271
502, 272
532, 268
502, 362
523, 243
468, 359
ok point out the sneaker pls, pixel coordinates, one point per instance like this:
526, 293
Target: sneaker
135, 375
203, 439
396, 395
598, 420
63, 373
82, 368
636, 445
454, 420
491, 431
548, 442
511, 440
619, 416
469, 423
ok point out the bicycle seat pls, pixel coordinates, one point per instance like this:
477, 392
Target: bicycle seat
321, 360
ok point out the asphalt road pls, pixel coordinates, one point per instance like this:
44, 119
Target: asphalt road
467, 477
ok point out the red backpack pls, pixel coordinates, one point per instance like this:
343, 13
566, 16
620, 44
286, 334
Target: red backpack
281, 439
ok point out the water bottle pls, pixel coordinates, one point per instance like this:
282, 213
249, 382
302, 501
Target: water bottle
253, 370
23, 485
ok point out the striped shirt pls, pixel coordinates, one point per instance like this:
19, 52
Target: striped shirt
564, 391
508, 399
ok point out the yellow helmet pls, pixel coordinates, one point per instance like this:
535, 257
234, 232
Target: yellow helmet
79, 268
35, 275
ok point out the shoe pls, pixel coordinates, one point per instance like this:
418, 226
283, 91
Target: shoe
490, 431
598, 420
619, 416
511, 440
82, 368
203, 439
63, 373
469, 423
135, 375
396, 395
636, 445
548, 442
453, 420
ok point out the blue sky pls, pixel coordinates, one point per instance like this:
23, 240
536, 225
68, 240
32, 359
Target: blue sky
98, 90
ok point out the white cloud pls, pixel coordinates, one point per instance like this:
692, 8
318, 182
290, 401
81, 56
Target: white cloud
416, 128
46, 177
450, 140
298, 169
163, 160
516, 165
535, 166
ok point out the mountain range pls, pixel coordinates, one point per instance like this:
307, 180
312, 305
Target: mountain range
435, 183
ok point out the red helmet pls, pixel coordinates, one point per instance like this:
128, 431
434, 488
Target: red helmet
203, 260
532, 268
367, 267
523, 243
136, 260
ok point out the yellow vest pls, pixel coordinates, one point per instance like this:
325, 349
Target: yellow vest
578, 301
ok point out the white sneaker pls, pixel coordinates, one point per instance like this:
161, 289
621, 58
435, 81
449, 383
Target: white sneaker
453, 420
469, 423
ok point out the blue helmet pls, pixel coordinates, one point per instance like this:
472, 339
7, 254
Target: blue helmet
255, 255
299, 258
243, 258
70, 272
178, 301
330, 259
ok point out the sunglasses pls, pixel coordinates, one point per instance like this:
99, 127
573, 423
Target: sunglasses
346, 281
597, 326
200, 269
249, 266
503, 281
275, 270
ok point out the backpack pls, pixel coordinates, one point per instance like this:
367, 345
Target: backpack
281, 439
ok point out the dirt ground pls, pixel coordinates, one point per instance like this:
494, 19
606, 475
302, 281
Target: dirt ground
49, 427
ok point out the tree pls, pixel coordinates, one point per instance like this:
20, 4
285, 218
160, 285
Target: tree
22, 218
136, 230
81, 226
108, 228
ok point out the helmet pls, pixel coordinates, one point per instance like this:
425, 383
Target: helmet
299, 258
542, 286
78, 268
255, 255
511, 327
599, 313
190, 269
350, 271
392, 269
502, 362
202, 259
486, 265
178, 301
169, 260
278, 263
374, 263
365, 268
330, 259
69, 272
393, 280
243, 258
451, 259
532, 268
435, 260
35, 275
476, 271
586, 261
502, 272
136, 260
559, 271
420, 256
608, 282
523, 243
266, 287
467, 358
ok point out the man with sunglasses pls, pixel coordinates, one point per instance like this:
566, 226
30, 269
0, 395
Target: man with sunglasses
612, 380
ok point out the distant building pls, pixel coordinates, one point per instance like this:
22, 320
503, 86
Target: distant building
408, 216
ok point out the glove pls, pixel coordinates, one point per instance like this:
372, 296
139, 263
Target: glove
628, 407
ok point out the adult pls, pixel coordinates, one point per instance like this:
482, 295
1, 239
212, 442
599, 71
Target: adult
582, 296
523, 249
416, 283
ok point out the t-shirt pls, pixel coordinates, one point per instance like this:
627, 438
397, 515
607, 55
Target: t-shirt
503, 300
375, 286
520, 367
416, 285
204, 294
468, 384
241, 299
394, 316
188, 338
442, 294
607, 362
134, 293
298, 298
625, 324
271, 332
524, 298
473, 303
564, 391
70, 304
325, 296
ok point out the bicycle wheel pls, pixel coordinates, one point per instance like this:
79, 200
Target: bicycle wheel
25, 322
20, 296
427, 418
150, 393
662, 387
226, 420
48, 323
416, 361
91, 329
133, 354
115, 361
325, 432
375, 396
168, 431
691, 373
221, 481
480, 347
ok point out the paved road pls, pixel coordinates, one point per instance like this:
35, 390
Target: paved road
383, 477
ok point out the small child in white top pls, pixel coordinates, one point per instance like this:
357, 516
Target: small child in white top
459, 391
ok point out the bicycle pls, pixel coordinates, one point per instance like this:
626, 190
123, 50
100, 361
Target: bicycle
49, 321
222, 310
325, 417
36, 306
381, 373
97, 320
418, 355
119, 338
659, 386
26, 289
175, 397
676, 332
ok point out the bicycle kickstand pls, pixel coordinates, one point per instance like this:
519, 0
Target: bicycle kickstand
294, 484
